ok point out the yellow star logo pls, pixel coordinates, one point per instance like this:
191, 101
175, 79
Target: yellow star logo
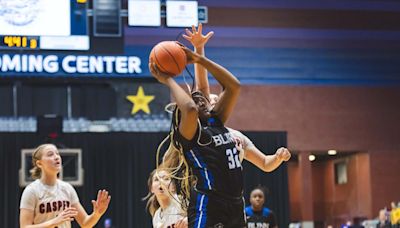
140, 101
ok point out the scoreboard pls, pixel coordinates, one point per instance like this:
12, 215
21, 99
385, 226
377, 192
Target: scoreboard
19, 42
44, 24
51, 38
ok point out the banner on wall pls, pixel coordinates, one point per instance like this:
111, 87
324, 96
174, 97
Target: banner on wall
141, 98
72, 65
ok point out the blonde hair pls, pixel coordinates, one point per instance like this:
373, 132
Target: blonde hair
174, 162
37, 154
152, 204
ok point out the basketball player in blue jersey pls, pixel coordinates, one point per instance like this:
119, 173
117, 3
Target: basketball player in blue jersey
247, 149
256, 214
206, 150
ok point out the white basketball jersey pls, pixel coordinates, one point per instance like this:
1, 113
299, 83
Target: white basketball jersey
169, 216
48, 201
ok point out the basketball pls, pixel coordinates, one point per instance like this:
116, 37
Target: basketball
169, 57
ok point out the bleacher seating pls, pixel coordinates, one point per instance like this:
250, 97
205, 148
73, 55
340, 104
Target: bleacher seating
137, 123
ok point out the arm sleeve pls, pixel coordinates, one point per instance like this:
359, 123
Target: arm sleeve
28, 199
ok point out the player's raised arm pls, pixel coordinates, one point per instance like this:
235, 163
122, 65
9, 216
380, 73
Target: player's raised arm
228, 98
188, 122
198, 40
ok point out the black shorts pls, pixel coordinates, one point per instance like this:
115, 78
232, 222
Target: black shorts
208, 210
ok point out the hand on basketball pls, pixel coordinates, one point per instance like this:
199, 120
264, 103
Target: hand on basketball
101, 204
66, 215
159, 75
191, 56
283, 154
196, 38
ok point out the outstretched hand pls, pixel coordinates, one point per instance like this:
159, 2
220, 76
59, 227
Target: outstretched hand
196, 38
101, 204
283, 154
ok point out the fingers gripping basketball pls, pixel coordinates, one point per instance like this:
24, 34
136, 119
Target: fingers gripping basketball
168, 57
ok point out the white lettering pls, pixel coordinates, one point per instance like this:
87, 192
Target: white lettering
96, 64
82, 64
224, 141
72, 64
229, 137
50, 64
134, 65
109, 63
257, 225
221, 140
10, 64
233, 158
66, 66
24, 63
121, 65
217, 140
35, 63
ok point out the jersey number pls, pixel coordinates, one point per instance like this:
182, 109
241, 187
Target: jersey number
233, 158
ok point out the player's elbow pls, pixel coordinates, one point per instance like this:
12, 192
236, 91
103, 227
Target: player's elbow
235, 86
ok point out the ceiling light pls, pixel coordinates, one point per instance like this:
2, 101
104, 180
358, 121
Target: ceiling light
311, 157
332, 152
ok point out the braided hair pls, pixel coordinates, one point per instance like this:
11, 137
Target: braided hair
174, 161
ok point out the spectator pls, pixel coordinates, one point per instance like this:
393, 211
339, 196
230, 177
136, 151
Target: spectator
383, 220
256, 214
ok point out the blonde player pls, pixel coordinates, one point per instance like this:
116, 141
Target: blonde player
50, 202
247, 149
162, 201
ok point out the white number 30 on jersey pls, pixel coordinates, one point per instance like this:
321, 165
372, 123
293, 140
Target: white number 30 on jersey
233, 158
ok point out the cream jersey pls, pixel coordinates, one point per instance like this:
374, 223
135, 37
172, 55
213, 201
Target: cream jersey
242, 142
166, 218
48, 201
